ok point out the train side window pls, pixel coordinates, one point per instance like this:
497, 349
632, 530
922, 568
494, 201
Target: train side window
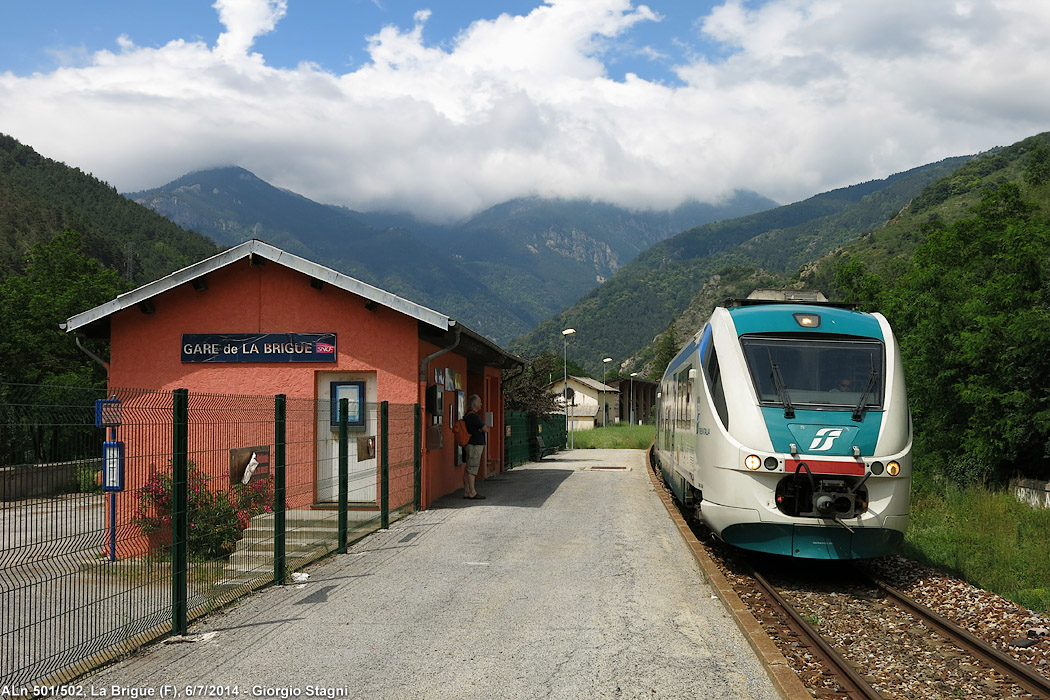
684, 405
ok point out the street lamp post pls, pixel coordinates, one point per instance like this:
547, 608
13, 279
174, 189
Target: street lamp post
605, 406
633, 375
565, 370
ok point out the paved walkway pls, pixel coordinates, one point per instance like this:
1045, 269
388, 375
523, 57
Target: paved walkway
568, 581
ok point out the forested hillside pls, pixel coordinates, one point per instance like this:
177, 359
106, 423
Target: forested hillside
623, 316
69, 242
964, 278
963, 275
40, 198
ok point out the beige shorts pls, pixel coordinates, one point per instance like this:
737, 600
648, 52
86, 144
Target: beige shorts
474, 453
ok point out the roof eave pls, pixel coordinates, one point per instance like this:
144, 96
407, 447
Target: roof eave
268, 252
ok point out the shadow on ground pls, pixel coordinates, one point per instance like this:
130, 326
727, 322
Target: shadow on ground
519, 488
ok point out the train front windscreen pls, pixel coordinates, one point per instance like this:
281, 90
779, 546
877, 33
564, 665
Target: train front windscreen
823, 374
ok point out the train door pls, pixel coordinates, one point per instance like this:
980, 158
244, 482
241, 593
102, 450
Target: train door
672, 417
686, 419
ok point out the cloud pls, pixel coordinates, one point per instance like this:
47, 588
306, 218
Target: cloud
801, 96
244, 21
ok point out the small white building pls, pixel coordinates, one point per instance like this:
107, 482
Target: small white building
590, 403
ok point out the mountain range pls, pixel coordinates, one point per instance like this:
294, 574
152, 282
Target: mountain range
523, 270
501, 272
696, 268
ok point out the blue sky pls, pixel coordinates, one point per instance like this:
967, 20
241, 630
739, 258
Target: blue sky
444, 108
43, 35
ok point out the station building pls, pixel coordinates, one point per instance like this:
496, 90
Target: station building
258, 321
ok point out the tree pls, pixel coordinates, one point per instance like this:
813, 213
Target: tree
1037, 168
973, 317
666, 349
857, 285
528, 391
59, 282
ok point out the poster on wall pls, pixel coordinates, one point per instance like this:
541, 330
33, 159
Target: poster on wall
354, 393
450, 380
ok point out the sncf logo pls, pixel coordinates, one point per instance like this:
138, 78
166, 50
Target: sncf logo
825, 439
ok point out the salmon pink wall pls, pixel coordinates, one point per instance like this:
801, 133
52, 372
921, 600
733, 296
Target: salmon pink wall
271, 298
441, 475
242, 298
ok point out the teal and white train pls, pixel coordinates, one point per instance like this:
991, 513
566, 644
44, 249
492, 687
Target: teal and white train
785, 428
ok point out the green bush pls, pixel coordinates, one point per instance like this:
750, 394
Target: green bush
88, 477
216, 518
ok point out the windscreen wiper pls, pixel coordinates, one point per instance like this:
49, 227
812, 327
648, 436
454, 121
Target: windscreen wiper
858, 410
782, 391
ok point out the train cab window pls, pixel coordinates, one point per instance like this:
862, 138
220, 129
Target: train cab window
713, 374
826, 373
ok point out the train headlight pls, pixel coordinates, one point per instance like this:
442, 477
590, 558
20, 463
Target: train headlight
876, 468
807, 320
771, 463
893, 468
752, 462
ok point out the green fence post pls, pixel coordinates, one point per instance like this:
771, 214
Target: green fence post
179, 524
344, 470
280, 435
384, 466
417, 459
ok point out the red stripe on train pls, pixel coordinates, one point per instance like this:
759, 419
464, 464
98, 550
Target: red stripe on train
821, 467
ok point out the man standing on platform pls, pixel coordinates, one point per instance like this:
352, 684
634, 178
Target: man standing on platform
475, 448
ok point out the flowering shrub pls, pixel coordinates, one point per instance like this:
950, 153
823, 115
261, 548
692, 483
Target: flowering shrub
216, 518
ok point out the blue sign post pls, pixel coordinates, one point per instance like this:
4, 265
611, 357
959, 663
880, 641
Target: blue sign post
108, 415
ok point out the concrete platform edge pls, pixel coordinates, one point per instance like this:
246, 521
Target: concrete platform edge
783, 677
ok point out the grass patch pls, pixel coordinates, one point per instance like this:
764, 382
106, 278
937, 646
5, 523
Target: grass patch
619, 436
988, 538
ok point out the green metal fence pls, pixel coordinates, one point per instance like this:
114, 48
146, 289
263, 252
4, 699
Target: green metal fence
222, 494
522, 445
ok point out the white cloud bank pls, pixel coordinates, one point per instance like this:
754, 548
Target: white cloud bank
812, 94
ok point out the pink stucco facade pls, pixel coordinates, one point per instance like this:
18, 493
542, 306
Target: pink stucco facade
245, 298
375, 343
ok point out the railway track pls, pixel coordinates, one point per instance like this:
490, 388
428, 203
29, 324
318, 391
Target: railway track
844, 678
847, 633
925, 654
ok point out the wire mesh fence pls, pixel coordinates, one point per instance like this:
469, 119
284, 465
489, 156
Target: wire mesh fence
215, 495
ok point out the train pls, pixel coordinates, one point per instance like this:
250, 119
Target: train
783, 425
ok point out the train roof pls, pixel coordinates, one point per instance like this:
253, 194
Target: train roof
804, 318
751, 301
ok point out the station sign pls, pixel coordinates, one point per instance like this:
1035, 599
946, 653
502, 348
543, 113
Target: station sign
258, 347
